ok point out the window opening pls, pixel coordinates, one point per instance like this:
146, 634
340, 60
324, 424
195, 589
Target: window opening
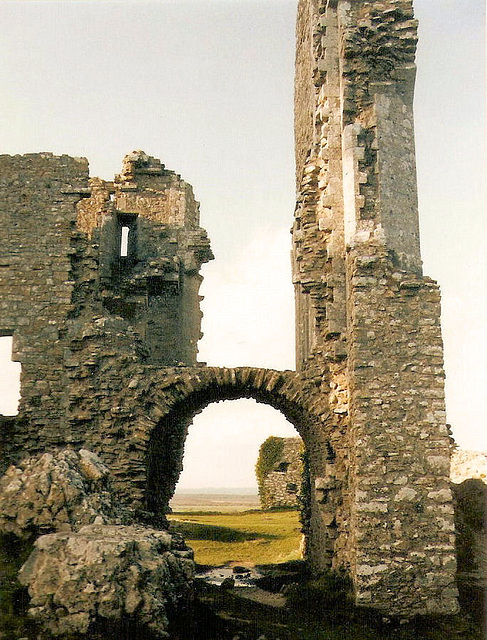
10, 379
124, 242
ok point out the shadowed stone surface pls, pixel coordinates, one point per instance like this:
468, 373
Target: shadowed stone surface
57, 492
108, 573
471, 524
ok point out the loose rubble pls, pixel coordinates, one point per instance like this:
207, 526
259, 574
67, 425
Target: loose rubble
96, 565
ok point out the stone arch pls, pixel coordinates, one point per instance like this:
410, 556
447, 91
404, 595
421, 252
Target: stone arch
195, 391
172, 407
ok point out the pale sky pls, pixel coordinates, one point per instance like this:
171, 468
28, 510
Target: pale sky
206, 86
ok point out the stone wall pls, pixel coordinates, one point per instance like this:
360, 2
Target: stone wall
38, 195
280, 474
158, 277
80, 313
398, 430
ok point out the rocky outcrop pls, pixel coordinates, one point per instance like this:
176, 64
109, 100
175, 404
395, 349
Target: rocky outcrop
57, 492
468, 464
79, 580
94, 567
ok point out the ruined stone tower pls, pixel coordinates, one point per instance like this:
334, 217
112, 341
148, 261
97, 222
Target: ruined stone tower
152, 249
99, 289
368, 322
279, 472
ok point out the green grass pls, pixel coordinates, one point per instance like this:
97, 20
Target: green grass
252, 537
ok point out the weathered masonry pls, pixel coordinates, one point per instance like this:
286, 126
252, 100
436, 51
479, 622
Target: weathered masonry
368, 321
279, 472
99, 289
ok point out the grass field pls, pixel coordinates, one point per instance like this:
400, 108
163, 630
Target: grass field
315, 610
252, 537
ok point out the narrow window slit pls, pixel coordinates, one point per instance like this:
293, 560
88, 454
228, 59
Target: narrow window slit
124, 242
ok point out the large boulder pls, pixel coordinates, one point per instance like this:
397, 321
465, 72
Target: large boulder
80, 580
57, 492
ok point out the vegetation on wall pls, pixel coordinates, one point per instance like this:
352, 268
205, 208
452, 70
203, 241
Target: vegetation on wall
270, 453
304, 496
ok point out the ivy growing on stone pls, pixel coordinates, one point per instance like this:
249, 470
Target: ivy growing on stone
270, 453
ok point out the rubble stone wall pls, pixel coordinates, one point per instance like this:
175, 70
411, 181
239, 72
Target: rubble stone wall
81, 314
38, 196
399, 438
280, 474
368, 322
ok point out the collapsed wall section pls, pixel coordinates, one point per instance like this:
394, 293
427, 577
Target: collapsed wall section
152, 249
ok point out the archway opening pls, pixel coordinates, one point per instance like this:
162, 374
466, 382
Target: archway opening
216, 504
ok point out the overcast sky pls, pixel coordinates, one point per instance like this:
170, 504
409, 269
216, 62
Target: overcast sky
206, 85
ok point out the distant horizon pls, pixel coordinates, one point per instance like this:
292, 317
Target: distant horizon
217, 490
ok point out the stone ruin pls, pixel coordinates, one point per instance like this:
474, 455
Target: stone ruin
279, 471
99, 290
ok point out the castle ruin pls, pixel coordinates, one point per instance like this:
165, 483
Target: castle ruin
99, 289
279, 470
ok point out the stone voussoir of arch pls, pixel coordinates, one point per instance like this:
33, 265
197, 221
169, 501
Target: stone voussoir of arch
280, 389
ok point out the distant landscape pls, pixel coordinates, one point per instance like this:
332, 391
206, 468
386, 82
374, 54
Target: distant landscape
221, 499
